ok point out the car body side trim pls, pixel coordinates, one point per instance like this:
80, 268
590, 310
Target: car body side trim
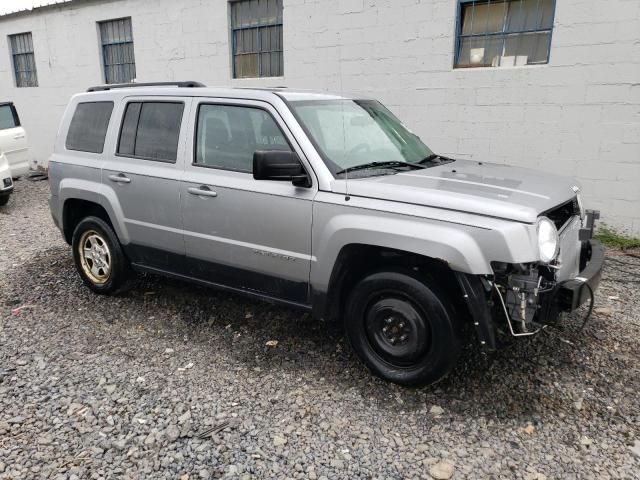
220, 286
260, 248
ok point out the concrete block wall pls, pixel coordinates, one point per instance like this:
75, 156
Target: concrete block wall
579, 115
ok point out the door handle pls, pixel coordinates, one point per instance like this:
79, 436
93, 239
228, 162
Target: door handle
120, 178
18, 136
202, 191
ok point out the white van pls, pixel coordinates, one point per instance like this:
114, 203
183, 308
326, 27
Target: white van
13, 140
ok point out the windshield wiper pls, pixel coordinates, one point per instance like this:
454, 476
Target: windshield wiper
390, 164
435, 156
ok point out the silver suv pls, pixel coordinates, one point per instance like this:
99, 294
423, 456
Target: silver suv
323, 202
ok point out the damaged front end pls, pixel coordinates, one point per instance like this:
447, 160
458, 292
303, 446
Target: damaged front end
522, 299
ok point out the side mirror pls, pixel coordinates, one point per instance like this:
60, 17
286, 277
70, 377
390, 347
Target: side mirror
280, 165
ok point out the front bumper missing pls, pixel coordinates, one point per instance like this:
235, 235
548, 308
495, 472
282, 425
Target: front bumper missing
478, 295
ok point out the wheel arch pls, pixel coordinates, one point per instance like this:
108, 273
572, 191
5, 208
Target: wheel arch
355, 261
81, 198
76, 209
359, 241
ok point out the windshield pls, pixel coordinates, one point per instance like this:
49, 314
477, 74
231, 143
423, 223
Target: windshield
348, 133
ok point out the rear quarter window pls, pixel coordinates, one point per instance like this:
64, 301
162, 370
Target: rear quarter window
88, 127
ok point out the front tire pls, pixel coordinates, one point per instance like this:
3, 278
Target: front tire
4, 200
402, 328
98, 256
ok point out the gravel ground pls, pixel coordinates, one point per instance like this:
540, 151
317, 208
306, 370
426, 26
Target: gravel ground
176, 381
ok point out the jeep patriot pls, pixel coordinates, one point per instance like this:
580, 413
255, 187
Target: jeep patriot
323, 202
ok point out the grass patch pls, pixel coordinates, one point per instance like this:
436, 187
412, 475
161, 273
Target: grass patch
611, 238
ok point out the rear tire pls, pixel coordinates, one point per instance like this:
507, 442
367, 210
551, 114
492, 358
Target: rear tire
402, 328
99, 258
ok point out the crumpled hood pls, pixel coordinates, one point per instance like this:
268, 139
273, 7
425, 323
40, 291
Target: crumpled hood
501, 191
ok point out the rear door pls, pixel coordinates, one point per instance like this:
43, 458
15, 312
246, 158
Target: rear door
13, 140
144, 169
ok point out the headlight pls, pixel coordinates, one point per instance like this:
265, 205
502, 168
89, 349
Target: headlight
547, 239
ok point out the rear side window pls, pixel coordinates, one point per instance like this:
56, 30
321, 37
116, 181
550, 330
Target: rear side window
150, 130
8, 118
88, 127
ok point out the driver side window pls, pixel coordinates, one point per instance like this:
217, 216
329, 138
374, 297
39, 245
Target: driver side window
227, 136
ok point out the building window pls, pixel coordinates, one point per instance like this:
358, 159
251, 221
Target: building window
498, 33
256, 29
117, 51
24, 62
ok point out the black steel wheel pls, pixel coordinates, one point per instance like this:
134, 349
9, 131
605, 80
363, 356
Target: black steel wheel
402, 328
395, 328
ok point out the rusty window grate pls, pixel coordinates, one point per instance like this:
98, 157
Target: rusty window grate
256, 31
24, 62
117, 50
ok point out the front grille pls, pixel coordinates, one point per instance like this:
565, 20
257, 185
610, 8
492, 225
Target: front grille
7, 182
561, 214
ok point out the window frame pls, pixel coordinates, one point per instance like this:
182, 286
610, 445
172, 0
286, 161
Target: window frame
233, 29
143, 101
459, 36
103, 46
106, 132
194, 157
33, 73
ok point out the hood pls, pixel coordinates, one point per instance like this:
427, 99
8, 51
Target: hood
501, 191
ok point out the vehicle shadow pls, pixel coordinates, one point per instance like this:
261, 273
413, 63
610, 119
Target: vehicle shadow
245, 331
317, 349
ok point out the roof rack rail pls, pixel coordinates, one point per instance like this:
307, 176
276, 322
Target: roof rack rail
186, 84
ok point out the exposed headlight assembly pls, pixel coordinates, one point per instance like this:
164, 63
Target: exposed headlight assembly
548, 241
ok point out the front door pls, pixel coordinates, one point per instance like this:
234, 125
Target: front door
252, 235
13, 140
144, 171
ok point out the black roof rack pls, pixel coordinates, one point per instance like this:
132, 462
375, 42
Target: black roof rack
187, 84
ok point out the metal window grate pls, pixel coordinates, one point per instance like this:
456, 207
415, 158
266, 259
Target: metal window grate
256, 30
117, 51
24, 63
498, 33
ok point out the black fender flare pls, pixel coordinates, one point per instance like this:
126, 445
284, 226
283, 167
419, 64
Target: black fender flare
476, 297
